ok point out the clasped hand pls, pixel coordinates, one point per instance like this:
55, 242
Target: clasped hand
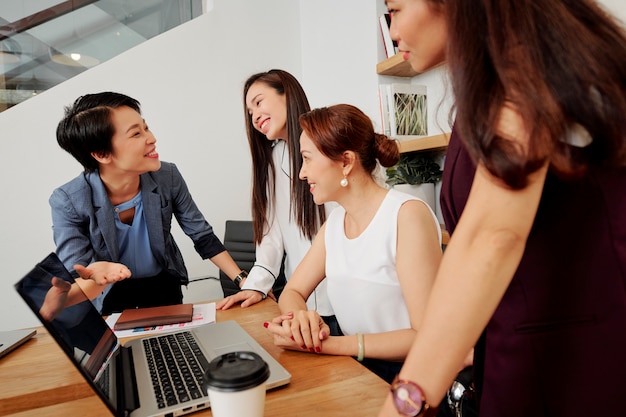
303, 331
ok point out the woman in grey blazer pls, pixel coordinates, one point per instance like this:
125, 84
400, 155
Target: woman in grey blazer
117, 214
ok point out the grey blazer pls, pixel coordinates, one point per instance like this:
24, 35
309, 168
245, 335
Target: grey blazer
83, 221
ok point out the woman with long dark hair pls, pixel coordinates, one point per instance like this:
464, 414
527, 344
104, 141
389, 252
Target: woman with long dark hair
533, 194
285, 218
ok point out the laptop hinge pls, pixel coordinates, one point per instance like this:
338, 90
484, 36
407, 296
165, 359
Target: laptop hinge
127, 395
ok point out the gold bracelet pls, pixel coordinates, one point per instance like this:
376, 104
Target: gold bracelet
361, 342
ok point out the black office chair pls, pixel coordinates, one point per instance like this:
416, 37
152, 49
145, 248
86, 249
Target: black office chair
239, 242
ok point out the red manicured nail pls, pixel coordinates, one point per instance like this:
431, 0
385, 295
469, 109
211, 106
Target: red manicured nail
293, 338
318, 349
266, 324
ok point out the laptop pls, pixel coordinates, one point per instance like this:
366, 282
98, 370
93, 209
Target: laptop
132, 379
11, 339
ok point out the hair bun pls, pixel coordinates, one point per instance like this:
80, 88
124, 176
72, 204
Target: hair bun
387, 150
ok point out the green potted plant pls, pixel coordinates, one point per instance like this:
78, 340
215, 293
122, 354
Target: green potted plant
416, 173
414, 169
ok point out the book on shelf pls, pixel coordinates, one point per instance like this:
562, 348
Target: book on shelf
383, 94
403, 110
391, 46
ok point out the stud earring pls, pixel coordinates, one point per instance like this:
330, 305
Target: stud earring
344, 182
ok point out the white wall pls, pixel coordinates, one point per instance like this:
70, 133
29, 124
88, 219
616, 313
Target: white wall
189, 81
616, 7
339, 56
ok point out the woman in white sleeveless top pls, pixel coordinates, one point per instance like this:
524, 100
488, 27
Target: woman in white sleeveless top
379, 250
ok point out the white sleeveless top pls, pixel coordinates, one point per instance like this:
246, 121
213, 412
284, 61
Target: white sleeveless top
363, 286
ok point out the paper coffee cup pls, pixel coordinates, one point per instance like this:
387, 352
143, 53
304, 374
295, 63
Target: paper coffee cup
235, 383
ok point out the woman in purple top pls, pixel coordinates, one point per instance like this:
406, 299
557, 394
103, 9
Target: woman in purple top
534, 193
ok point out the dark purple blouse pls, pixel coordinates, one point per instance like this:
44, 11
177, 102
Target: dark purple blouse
556, 345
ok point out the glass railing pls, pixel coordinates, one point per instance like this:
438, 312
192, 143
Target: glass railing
45, 42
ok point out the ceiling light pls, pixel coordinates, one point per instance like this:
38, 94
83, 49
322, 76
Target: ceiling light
74, 59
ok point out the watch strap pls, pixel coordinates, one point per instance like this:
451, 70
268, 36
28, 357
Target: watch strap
242, 275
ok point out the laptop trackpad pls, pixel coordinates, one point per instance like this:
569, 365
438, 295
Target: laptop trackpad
237, 347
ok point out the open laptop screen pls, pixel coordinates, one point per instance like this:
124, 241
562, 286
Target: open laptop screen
78, 329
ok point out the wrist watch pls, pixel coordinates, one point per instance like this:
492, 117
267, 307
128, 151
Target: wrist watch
408, 398
243, 274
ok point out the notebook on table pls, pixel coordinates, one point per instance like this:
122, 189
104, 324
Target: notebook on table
131, 379
11, 339
154, 316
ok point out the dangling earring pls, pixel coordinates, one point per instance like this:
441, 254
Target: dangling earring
344, 182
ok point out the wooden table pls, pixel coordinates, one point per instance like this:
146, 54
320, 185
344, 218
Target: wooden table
38, 380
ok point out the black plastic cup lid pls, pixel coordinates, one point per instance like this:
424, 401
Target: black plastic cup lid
236, 371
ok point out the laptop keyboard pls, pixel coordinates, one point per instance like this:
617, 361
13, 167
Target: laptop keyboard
104, 382
177, 366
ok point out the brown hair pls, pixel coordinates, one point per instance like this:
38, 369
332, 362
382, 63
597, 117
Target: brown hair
308, 215
560, 64
343, 127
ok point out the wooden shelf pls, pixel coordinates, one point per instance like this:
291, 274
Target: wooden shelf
395, 66
424, 143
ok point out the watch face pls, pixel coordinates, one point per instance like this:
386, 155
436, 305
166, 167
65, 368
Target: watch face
408, 397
